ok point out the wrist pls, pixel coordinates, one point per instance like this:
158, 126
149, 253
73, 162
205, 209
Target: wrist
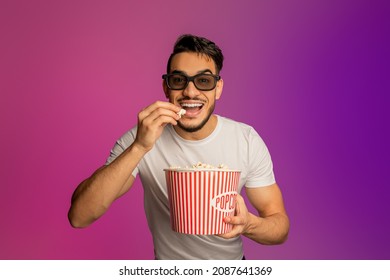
253, 223
139, 149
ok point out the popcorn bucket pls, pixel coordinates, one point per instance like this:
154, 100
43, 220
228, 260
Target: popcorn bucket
199, 200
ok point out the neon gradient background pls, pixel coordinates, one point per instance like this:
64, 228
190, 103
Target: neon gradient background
311, 76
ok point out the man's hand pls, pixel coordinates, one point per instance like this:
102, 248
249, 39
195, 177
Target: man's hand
239, 221
151, 122
270, 227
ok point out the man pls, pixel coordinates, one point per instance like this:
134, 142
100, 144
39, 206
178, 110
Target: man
162, 139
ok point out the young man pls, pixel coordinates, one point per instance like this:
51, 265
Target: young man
162, 139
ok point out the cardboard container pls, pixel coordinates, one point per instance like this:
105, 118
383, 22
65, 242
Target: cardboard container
200, 199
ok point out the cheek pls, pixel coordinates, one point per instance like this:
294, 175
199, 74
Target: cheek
172, 96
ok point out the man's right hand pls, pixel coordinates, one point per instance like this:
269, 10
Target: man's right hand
94, 195
151, 122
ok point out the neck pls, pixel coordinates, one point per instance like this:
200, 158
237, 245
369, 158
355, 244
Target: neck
202, 133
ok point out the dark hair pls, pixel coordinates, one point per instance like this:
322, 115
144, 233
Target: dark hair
200, 45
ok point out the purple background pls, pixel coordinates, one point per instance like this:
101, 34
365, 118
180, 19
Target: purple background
311, 76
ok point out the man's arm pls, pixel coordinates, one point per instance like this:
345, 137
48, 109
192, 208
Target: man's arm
271, 226
93, 196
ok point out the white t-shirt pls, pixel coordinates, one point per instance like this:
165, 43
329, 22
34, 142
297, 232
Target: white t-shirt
234, 144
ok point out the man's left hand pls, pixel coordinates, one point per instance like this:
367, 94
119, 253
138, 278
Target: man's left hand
240, 220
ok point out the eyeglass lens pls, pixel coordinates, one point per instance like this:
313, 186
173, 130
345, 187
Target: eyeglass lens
202, 81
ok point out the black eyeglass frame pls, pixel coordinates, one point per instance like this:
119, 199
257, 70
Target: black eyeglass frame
190, 79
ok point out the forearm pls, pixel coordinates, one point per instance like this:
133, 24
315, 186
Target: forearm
269, 230
94, 196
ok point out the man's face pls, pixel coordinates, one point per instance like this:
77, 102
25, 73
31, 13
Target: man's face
199, 105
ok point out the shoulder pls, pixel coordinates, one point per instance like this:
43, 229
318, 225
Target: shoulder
122, 144
243, 133
128, 137
238, 127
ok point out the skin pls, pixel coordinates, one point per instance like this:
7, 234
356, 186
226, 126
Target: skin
93, 197
192, 64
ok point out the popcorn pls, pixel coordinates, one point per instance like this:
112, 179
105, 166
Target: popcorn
222, 166
181, 112
201, 165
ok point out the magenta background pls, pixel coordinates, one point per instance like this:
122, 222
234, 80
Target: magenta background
311, 76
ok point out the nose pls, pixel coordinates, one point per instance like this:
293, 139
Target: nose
190, 91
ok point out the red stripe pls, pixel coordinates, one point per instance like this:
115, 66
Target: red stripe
175, 196
204, 202
224, 185
218, 227
201, 199
216, 191
229, 188
191, 220
169, 185
173, 177
215, 210
173, 189
223, 215
208, 204
195, 208
177, 209
190, 195
221, 190
183, 205
199, 203
182, 208
188, 208
186, 220
209, 208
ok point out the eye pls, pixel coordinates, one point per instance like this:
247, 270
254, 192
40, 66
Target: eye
204, 80
177, 79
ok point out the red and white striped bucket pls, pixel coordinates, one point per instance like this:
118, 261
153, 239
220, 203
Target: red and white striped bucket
199, 200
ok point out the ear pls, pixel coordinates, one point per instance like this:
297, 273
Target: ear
165, 89
218, 89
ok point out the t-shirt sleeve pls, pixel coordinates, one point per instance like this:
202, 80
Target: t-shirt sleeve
260, 163
120, 146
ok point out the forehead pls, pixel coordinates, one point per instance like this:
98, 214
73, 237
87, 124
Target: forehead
192, 63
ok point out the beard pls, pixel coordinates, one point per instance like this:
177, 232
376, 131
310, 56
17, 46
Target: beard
194, 128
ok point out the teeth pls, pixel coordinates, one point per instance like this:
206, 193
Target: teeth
191, 105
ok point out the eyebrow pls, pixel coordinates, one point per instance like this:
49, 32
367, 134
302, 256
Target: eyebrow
199, 72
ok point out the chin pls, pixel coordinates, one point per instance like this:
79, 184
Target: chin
194, 127
191, 128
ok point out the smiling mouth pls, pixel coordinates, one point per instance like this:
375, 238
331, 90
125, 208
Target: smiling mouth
192, 107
